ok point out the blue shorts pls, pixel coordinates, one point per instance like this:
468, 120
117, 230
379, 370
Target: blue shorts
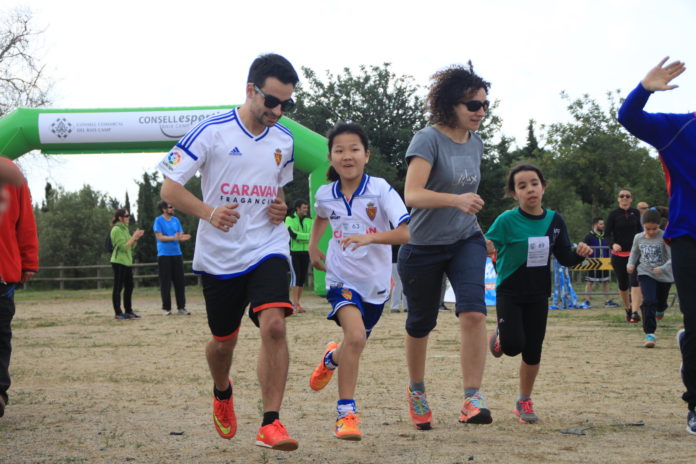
342, 296
422, 267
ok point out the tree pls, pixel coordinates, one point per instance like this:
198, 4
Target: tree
386, 105
148, 197
22, 77
73, 228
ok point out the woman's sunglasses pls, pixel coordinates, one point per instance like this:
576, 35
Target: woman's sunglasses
475, 105
623, 195
269, 101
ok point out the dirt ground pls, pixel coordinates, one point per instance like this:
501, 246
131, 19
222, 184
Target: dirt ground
87, 388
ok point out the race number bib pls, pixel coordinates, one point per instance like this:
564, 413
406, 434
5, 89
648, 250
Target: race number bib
353, 228
537, 251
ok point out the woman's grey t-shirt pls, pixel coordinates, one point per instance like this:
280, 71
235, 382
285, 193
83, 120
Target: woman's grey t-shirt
456, 169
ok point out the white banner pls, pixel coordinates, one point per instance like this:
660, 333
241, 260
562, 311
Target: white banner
131, 126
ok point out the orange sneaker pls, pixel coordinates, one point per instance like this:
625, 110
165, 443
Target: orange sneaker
275, 436
419, 411
223, 416
322, 374
474, 411
347, 427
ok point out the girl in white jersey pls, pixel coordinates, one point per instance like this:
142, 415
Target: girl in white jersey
366, 216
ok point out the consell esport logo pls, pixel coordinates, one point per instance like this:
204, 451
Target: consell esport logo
175, 126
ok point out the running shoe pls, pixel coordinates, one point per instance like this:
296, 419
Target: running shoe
691, 422
223, 416
132, 315
635, 317
419, 411
183, 312
525, 411
166, 313
299, 308
649, 341
474, 411
494, 343
347, 427
628, 315
586, 305
121, 317
276, 437
659, 315
322, 374
610, 304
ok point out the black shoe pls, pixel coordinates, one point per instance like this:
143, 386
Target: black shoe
628, 315
634, 318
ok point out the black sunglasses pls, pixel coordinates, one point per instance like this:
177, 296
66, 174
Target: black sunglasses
624, 195
475, 105
270, 101
126, 215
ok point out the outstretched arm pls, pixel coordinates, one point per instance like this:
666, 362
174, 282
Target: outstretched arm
659, 77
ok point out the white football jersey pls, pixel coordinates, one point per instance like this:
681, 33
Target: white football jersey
235, 167
374, 207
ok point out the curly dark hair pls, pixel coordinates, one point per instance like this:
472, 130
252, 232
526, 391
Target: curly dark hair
449, 87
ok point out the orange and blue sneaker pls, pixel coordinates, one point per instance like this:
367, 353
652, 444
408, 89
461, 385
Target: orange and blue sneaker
347, 427
419, 411
474, 411
322, 374
275, 436
223, 416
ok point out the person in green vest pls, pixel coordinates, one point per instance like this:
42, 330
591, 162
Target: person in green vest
299, 225
122, 263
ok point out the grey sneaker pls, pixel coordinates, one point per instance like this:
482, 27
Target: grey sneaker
525, 411
183, 312
166, 313
691, 422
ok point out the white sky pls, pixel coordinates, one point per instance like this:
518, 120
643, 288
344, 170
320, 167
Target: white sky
152, 53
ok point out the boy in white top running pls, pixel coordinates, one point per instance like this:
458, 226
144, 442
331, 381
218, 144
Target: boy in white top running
245, 158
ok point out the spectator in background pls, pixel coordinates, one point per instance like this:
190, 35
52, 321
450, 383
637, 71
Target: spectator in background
600, 249
170, 261
19, 253
299, 226
642, 207
622, 225
122, 264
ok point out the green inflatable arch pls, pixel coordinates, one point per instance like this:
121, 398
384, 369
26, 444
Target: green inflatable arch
138, 130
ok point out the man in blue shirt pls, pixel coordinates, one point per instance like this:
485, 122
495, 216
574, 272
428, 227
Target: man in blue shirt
170, 261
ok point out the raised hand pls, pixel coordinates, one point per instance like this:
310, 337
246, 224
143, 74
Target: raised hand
659, 77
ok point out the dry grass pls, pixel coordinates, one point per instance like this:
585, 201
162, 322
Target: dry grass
89, 389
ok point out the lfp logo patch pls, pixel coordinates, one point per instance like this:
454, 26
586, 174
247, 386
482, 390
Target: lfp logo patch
174, 158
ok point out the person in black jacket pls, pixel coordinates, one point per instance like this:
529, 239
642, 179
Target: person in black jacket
622, 225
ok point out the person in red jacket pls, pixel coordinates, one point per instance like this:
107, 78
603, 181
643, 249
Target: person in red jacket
9, 174
19, 248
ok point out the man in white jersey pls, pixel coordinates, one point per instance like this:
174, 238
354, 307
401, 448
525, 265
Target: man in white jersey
245, 157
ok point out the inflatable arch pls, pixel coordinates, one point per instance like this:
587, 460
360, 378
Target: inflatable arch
138, 130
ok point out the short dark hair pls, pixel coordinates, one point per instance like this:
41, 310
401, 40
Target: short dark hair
449, 87
510, 184
162, 205
344, 128
272, 65
652, 216
299, 203
596, 220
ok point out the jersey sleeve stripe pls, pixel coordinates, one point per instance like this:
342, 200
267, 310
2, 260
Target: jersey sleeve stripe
192, 134
187, 151
190, 140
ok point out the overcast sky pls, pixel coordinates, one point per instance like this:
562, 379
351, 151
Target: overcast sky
157, 53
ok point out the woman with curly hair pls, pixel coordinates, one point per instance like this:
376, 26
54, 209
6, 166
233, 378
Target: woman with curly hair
441, 183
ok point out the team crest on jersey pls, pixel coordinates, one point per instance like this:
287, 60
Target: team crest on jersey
347, 294
278, 156
371, 211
